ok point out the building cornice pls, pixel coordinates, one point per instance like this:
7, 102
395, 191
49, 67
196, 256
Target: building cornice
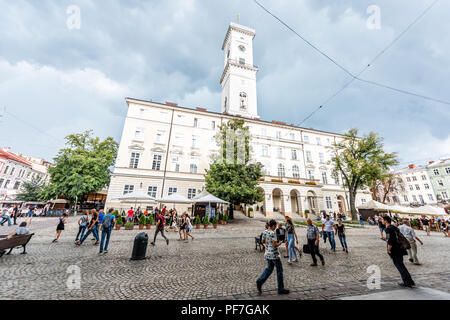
239, 28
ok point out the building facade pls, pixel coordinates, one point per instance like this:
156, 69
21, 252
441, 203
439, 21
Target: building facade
166, 148
439, 173
16, 169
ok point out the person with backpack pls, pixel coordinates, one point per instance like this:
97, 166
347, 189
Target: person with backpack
160, 228
107, 224
91, 229
397, 245
82, 224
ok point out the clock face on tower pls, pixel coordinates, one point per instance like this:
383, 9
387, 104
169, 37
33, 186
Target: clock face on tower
242, 48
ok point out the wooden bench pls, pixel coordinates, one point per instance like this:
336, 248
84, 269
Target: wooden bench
14, 242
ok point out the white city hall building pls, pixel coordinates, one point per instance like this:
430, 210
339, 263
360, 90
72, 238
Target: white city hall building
166, 148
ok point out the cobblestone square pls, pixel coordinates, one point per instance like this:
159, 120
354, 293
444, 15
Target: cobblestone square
219, 264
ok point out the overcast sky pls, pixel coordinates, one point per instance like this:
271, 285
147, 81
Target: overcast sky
55, 80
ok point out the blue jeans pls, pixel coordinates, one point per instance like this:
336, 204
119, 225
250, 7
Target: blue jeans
94, 232
81, 231
342, 239
271, 263
106, 233
6, 219
330, 235
291, 248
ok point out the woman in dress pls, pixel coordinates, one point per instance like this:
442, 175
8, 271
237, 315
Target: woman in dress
60, 226
188, 228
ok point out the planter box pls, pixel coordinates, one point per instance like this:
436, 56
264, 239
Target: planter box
118, 226
205, 226
148, 226
129, 227
141, 226
215, 226
197, 226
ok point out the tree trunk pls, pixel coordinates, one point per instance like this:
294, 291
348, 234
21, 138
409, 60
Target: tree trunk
352, 205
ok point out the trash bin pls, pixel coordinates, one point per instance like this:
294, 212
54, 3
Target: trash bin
140, 246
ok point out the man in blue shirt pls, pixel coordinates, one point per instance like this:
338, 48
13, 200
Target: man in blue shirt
107, 225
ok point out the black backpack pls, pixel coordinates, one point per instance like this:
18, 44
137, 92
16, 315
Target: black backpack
402, 242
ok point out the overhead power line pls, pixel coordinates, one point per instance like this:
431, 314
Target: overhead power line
357, 76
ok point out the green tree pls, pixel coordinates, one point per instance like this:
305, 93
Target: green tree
232, 176
83, 166
30, 190
360, 161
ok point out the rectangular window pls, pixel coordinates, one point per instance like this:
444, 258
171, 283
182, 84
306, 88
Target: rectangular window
213, 125
363, 201
444, 195
440, 183
139, 134
321, 157
194, 141
421, 199
264, 151
128, 189
241, 61
191, 193
426, 186
16, 185
318, 141
1, 182
172, 190
195, 122
175, 164
156, 165
414, 178
447, 170
308, 156
179, 119
294, 154
417, 187
6, 170
134, 160
152, 191
278, 134
436, 172
178, 140
311, 174
405, 198
306, 139
408, 179
7, 184
280, 152
430, 197
414, 198
292, 135
328, 202
160, 137
324, 177
193, 168
411, 187
424, 177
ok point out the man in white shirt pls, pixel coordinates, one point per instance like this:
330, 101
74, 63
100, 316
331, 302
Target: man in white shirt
410, 235
328, 229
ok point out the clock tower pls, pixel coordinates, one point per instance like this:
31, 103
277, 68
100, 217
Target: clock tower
238, 79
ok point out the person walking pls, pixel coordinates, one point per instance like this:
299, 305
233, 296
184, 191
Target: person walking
82, 224
291, 237
328, 229
130, 215
182, 229
91, 229
160, 228
382, 228
410, 235
425, 224
444, 227
280, 233
188, 229
272, 256
30, 214
15, 213
107, 225
396, 252
340, 231
312, 236
6, 217
361, 220
60, 227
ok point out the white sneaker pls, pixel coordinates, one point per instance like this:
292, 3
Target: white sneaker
289, 261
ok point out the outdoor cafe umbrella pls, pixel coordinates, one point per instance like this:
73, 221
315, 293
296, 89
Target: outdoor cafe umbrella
174, 198
136, 197
206, 197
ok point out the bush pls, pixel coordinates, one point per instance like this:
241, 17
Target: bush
119, 220
150, 219
311, 183
206, 219
414, 223
116, 213
142, 220
221, 217
216, 219
129, 224
225, 217
306, 211
197, 220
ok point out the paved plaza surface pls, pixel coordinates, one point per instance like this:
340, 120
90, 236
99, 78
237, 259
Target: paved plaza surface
218, 264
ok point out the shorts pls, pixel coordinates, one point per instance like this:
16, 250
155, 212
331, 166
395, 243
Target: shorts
30, 214
382, 228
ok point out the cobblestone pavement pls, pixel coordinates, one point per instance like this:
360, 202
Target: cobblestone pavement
218, 264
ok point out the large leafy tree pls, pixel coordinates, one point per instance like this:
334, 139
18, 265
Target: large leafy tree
83, 166
232, 176
360, 161
30, 190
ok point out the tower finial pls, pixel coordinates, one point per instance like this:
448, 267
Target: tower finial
238, 17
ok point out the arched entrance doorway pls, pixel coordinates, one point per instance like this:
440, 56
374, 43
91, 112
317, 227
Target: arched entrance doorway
278, 201
311, 200
341, 204
296, 206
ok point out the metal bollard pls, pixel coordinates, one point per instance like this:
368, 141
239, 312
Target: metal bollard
140, 246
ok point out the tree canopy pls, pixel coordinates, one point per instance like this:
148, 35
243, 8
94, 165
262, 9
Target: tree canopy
30, 190
360, 161
83, 166
232, 176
